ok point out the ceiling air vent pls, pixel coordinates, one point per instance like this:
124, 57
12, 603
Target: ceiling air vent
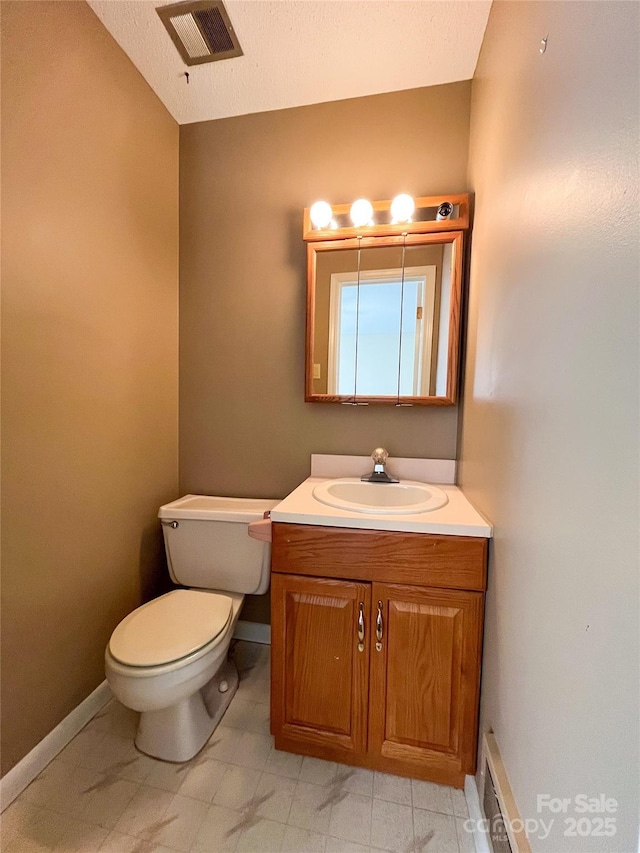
201, 31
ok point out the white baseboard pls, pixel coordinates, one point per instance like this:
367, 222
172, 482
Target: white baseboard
16, 780
254, 632
480, 837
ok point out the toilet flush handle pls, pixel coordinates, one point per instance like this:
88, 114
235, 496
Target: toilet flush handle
172, 524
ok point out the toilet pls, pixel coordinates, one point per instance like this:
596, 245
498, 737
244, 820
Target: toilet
168, 659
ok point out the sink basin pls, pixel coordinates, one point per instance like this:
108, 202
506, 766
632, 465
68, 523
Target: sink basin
405, 498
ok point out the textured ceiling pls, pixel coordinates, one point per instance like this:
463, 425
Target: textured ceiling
304, 51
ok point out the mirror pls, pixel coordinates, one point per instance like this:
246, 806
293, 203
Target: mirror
383, 319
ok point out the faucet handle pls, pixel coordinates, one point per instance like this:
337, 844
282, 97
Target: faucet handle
380, 456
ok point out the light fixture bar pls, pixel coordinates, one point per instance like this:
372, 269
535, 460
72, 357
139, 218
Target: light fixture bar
425, 218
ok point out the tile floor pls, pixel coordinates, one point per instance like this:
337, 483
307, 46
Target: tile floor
238, 794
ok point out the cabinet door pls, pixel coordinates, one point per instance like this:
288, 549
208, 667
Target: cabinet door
424, 680
319, 684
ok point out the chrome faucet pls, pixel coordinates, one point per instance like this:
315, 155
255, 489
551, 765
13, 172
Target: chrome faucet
379, 475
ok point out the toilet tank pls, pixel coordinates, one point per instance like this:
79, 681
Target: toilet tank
208, 546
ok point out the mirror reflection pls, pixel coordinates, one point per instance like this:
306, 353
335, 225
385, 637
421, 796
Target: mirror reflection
382, 319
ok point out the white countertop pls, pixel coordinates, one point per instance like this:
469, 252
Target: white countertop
457, 518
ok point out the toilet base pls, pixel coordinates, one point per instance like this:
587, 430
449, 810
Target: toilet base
179, 732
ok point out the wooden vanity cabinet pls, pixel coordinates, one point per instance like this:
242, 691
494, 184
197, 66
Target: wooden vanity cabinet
319, 676
424, 681
376, 648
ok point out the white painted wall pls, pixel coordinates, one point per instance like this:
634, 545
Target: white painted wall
549, 448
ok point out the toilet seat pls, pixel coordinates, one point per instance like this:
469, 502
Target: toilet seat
170, 628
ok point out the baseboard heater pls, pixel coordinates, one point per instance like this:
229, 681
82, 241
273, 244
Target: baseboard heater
504, 827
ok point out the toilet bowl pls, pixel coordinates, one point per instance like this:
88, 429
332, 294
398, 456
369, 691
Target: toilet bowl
168, 658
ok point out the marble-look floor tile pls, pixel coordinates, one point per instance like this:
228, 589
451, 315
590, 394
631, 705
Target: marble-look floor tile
248, 716
263, 836
71, 795
219, 831
339, 845
355, 780
109, 752
459, 803
260, 720
237, 787
317, 771
428, 795
434, 833
82, 744
110, 796
145, 811
391, 826
123, 721
47, 783
118, 842
81, 837
466, 841
252, 751
43, 835
203, 779
238, 714
116, 719
351, 818
79, 789
18, 821
134, 766
223, 744
178, 827
273, 797
311, 807
283, 764
394, 789
27, 845
255, 691
302, 841
166, 775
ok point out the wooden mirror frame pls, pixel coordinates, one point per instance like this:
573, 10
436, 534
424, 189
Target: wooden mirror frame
456, 238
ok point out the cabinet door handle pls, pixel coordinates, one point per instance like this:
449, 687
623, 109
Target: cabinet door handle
361, 627
379, 628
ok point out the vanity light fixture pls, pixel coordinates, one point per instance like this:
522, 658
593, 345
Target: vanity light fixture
402, 208
405, 213
444, 211
321, 214
361, 213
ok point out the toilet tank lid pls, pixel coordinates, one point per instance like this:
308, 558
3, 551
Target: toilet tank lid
212, 508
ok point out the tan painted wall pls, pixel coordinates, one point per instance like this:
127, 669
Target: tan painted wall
550, 432
89, 354
244, 426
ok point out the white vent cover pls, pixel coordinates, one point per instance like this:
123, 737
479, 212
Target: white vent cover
506, 829
201, 31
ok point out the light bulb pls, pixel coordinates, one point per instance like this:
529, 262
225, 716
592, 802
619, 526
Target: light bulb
321, 214
361, 212
402, 208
